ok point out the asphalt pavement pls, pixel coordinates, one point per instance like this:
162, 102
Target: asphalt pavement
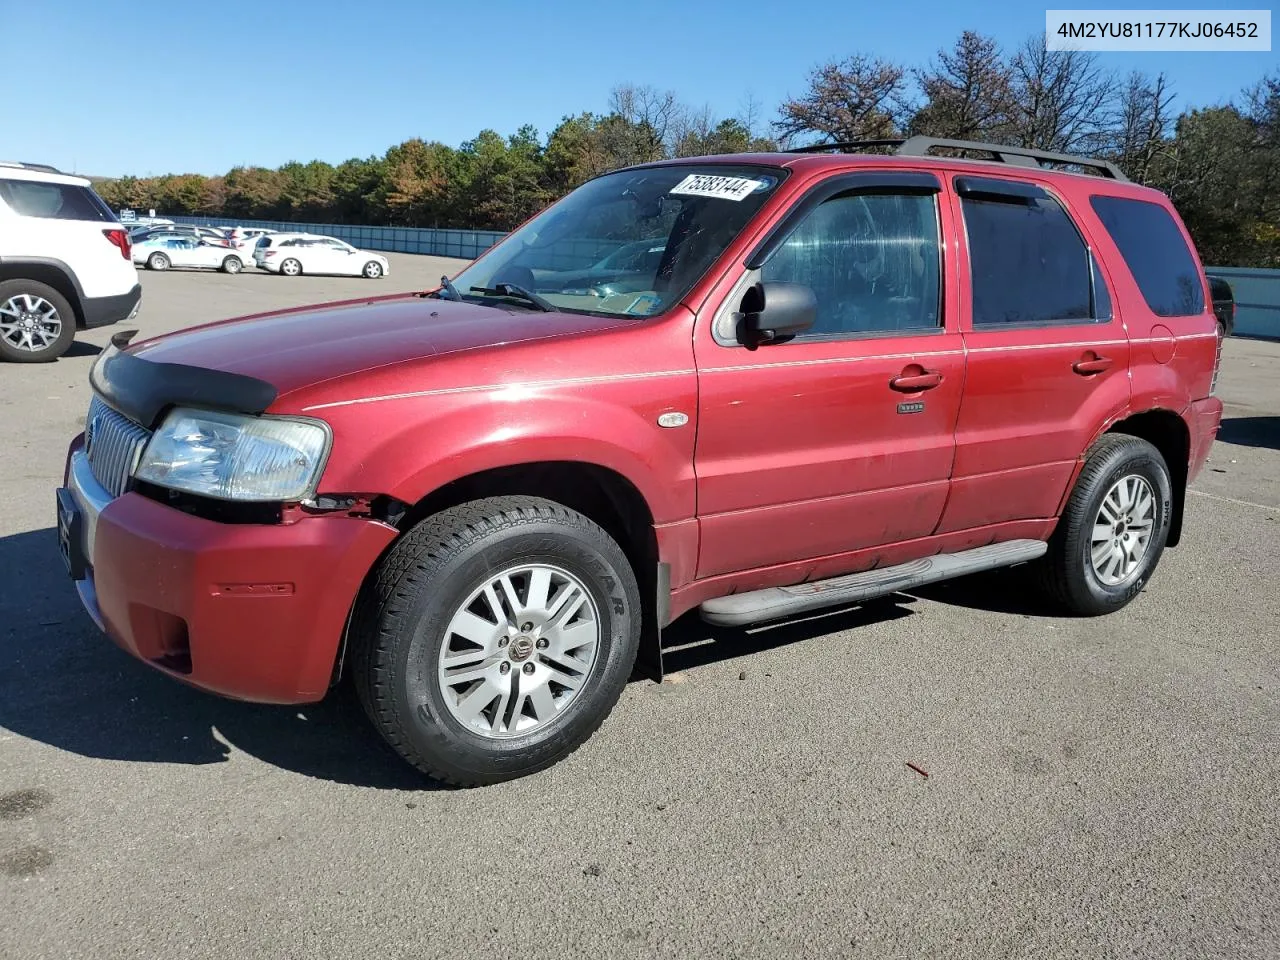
1095, 788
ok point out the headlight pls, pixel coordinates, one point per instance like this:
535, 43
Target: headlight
235, 457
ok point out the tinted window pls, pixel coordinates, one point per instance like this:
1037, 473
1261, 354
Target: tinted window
872, 261
1157, 256
54, 201
1028, 262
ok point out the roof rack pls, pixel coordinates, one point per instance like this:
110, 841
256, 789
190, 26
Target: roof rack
30, 166
999, 153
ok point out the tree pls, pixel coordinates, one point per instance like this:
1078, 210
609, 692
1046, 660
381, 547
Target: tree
422, 180
1061, 98
1140, 124
858, 98
968, 93
306, 191
355, 186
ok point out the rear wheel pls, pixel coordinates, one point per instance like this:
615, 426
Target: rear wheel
1113, 530
36, 322
291, 267
495, 638
157, 261
232, 265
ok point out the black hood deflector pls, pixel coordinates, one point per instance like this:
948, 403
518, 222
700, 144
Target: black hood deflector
143, 390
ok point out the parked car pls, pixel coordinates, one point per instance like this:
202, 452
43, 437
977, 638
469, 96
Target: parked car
245, 240
161, 253
64, 262
294, 254
212, 234
1224, 304
847, 375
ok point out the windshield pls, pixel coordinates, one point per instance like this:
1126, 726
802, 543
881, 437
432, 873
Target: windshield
630, 243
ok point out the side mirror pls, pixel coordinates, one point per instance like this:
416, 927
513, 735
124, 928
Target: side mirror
775, 312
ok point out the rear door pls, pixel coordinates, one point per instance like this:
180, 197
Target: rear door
1048, 356
818, 446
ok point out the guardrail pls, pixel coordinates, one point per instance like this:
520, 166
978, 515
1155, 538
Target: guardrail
467, 244
1257, 294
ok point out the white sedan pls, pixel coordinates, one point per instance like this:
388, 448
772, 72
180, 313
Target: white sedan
296, 253
168, 251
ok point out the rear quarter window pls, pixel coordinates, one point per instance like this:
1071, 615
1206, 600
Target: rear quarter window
54, 201
1155, 253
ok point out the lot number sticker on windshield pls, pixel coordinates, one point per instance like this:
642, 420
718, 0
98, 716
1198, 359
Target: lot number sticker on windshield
727, 188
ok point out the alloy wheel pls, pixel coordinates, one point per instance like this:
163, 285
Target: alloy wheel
1122, 530
29, 322
518, 651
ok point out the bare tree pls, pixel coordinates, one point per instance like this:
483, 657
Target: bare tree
1142, 114
859, 98
968, 92
649, 116
1061, 98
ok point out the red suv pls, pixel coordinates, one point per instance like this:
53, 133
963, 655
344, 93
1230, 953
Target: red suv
753, 385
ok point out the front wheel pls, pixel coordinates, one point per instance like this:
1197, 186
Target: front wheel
232, 265
1113, 530
372, 270
157, 261
495, 637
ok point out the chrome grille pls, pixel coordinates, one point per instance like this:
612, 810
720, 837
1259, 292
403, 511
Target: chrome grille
112, 444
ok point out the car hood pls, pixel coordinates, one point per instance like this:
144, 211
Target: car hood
299, 348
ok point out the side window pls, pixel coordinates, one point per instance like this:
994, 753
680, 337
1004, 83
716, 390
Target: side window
1156, 254
54, 201
872, 261
1028, 262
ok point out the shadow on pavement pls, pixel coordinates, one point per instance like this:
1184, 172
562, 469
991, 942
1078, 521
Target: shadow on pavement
1251, 432
65, 684
79, 348
690, 643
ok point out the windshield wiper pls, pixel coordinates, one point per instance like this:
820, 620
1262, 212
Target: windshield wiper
447, 287
515, 292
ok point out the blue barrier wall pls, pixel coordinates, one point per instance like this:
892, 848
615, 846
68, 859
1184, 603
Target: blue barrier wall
467, 244
1257, 294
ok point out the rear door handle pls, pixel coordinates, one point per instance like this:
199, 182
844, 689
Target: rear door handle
1091, 365
911, 383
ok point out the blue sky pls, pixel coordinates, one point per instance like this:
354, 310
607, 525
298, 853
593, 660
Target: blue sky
212, 85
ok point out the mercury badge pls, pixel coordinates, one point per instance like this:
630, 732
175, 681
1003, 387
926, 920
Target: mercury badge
673, 419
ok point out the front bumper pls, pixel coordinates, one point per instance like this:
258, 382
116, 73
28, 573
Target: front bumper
250, 611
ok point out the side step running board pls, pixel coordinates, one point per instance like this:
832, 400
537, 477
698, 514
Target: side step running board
773, 603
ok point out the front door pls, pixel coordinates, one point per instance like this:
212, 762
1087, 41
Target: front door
1048, 355
842, 438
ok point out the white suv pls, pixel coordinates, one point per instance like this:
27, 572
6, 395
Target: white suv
65, 262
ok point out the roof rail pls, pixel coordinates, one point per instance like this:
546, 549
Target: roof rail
998, 152
30, 166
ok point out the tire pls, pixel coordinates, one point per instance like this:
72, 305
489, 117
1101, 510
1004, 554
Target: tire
232, 265
157, 261
1069, 574
291, 268
37, 324
372, 270
404, 624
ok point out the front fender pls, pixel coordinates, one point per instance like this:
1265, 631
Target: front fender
426, 441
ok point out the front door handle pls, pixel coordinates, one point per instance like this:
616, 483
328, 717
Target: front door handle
1090, 365
914, 382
